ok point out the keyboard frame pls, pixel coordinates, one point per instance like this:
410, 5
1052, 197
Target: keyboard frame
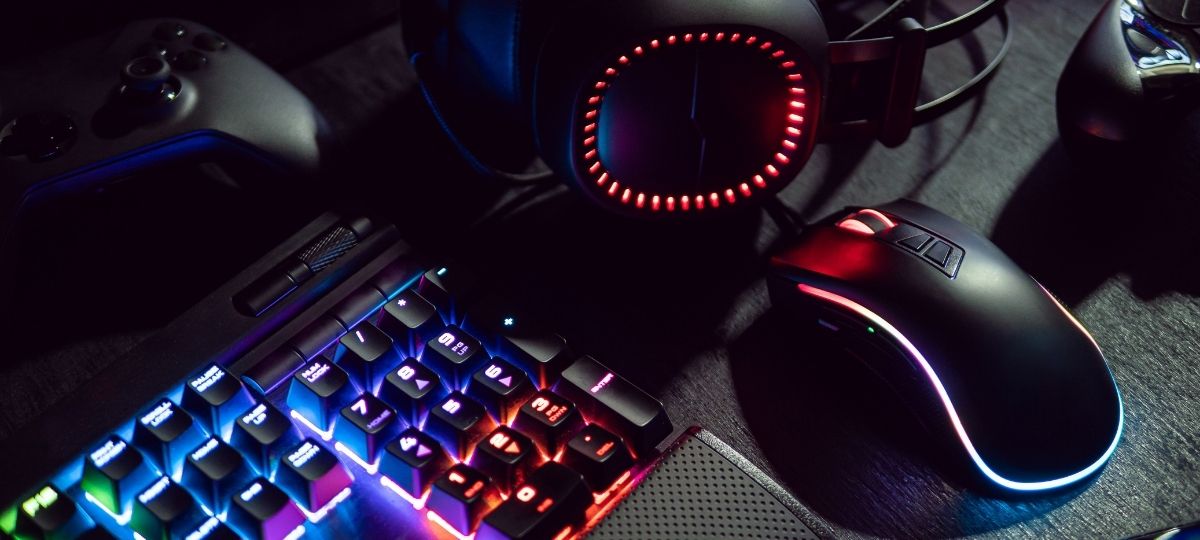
211, 331
214, 331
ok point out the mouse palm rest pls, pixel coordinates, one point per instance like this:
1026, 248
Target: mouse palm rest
1022, 385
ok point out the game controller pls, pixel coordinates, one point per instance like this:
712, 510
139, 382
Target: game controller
152, 92
1135, 71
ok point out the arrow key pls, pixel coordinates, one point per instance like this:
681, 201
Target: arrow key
411, 389
413, 460
501, 387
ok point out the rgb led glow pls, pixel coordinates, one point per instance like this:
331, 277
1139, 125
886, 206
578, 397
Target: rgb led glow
631, 196
885, 327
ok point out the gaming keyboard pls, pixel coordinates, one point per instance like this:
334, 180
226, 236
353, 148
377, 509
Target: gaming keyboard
343, 387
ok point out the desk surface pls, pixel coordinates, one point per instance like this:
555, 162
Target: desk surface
688, 318
685, 313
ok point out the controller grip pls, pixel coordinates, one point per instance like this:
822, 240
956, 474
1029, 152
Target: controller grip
1100, 94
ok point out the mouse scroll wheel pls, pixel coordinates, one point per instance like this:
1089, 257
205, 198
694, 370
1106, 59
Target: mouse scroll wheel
867, 223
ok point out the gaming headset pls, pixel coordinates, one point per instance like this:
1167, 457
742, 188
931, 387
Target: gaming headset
673, 107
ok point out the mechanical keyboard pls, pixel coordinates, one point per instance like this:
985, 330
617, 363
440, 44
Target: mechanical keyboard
344, 387
412, 405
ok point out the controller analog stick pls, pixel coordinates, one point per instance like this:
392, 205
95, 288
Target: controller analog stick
39, 136
147, 79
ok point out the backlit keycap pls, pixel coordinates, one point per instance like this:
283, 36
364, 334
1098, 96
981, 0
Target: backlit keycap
549, 419
462, 496
599, 455
319, 390
261, 511
49, 513
455, 355
114, 472
366, 424
459, 422
312, 475
262, 434
506, 456
165, 511
413, 460
501, 387
552, 499
412, 389
166, 433
366, 353
215, 398
212, 471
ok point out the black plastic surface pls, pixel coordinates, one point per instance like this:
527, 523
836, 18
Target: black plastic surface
235, 109
1032, 390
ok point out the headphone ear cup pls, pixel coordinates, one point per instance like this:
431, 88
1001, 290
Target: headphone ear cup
477, 59
638, 104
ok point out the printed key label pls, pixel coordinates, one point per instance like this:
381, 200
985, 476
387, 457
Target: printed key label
315, 371
210, 377
455, 345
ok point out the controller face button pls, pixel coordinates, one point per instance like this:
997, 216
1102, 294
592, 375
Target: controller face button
189, 60
169, 31
209, 42
151, 49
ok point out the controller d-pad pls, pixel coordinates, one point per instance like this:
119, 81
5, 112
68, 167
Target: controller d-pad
1177, 11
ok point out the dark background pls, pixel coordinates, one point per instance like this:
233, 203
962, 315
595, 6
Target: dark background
682, 311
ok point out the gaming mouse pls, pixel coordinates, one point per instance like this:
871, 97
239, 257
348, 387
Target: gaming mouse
972, 341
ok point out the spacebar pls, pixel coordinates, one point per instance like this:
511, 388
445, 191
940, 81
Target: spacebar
616, 403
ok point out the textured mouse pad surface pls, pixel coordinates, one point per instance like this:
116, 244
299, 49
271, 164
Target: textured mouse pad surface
703, 489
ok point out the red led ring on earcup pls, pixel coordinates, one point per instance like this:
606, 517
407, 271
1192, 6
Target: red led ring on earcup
682, 109
694, 120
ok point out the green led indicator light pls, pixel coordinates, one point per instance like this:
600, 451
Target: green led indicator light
871, 329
